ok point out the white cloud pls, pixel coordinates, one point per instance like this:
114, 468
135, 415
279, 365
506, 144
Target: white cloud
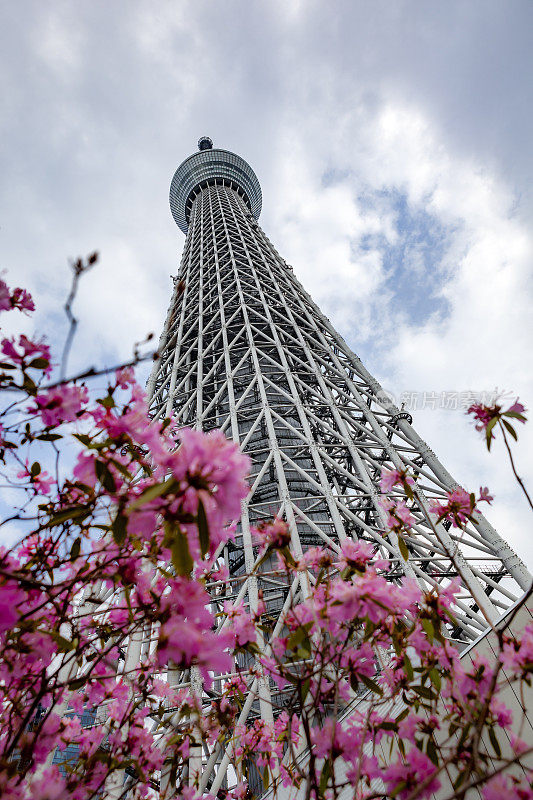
339, 109
483, 341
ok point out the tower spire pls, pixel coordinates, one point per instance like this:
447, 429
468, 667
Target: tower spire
205, 143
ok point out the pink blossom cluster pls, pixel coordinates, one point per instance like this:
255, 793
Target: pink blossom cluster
460, 506
115, 605
61, 404
18, 298
26, 353
489, 417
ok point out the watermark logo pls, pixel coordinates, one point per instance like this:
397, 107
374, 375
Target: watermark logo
447, 400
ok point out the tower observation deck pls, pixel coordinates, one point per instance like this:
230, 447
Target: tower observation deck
244, 348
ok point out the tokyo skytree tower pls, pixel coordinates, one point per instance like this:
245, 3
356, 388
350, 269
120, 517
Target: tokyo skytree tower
245, 349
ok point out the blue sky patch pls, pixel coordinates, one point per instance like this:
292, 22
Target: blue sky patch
415, 264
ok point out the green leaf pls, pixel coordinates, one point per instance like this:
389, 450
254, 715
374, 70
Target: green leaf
460, 779
403, 715
78, 513
266, 778
429, 629
424, 691
494, 742
75, 549
408, 667
403, 548
370, 684
119, 528
63, 645
435, 678
39, 363
488, 431
49, 437
324, 777
514, 414
122, 469
510, 428
128, 602
29, 385
77, 683
203, 529
35, 469
399, 788
179, 548
107, 401
296, 638
103, 473
152, 492
83, 438
431, 751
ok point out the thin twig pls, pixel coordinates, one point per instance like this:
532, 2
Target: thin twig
515, 473
92, 372
78, 267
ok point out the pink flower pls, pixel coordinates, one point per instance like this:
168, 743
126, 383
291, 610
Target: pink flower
50, 786
27, 351
500, 713
416, 769
85, 469
390, 478
10, 598
488, 416
518, 655
408, 727
403, 513
5, 296
356, 554
315, 558
516, 408
213, 458
22, 300
275, 534
367, 595
446, 595
483, 414
61, 404
360, 660
186, 645
241, 624
398, 515
458, 509
239, 792
484, 494
186, 637
125, 377
526, 645
519, 745
499, 788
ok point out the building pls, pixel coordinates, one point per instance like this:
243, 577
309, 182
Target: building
244, 348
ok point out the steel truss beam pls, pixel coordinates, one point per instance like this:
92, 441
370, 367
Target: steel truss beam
244, 348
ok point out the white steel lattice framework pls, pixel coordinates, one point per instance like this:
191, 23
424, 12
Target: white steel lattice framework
245, 349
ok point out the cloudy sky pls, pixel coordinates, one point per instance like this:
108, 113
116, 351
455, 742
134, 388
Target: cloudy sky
393, 144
